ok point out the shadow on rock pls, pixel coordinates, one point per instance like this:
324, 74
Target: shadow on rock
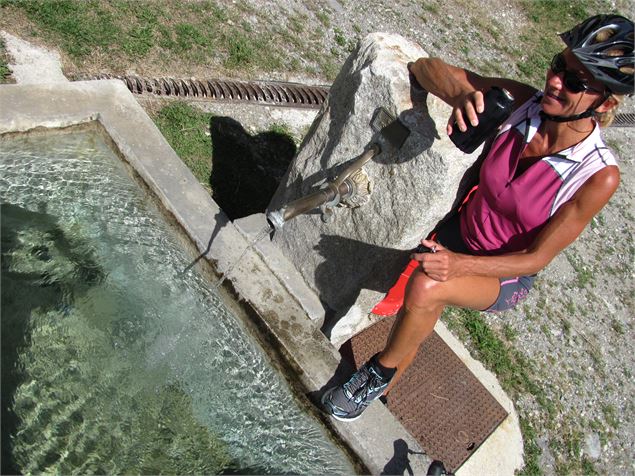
423, 133
246, 169
347, 257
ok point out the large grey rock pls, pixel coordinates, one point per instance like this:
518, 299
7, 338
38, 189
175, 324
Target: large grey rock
352, 261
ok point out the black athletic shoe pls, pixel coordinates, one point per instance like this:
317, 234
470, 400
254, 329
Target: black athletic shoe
347, 402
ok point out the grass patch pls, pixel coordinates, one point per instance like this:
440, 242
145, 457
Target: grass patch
188, 37
510, 333
617, 327
539, 35
242, 51
512, 368
5, 72
610, 416
80, 27
297, 23
340, 39
186, 130
122, 32
556, 10
282, 129
140, 35
323, 18
533, 66
430, 8
170, 33
584, 273
139, 41
598, 221
531, 449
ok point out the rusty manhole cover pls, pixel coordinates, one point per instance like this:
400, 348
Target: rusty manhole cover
438, 400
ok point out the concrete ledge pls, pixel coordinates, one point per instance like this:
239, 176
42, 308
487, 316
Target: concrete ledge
23, 108
293, 281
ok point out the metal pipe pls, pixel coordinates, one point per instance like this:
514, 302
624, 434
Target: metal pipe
340, 187
278, 218
358, 164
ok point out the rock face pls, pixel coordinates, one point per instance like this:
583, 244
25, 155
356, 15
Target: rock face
353, 260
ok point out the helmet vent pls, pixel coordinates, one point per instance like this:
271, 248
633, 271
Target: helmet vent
603, 35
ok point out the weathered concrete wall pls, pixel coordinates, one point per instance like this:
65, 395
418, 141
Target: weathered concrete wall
353, 260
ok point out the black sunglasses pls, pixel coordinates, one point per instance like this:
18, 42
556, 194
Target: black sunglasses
571, 80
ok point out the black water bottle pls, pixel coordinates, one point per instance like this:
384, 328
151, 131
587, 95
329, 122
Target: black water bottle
498, 107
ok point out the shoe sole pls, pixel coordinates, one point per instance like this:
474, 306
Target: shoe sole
327, 412
345, 419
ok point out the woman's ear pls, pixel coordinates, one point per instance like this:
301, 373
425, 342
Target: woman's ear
608, 104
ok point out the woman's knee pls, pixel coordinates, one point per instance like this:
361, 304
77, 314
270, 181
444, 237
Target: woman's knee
423, 292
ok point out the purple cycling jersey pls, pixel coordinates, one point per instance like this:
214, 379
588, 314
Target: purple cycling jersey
506, 213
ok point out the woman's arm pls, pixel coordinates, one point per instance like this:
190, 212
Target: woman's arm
463, 89
561, 230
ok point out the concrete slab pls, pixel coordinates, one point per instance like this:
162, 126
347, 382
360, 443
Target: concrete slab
31, 64
251, 227
375, 438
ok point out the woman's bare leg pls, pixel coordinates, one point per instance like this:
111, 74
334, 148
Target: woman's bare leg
423, 304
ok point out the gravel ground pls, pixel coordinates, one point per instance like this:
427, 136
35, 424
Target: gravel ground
576, 328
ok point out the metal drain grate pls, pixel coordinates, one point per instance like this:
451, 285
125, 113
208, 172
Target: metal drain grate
438, 400
263, 92
626, 119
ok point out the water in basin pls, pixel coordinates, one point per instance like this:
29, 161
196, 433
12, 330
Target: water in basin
113, 360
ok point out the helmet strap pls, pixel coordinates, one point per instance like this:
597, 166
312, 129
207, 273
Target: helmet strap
588, 113
548, 117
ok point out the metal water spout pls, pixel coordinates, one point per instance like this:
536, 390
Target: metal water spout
392, 134
327, 197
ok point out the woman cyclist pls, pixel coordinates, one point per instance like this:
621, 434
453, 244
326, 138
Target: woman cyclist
544, 177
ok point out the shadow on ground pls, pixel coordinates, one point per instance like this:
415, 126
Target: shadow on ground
246, 169
342, 258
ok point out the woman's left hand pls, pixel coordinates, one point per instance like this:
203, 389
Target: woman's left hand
440, 263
